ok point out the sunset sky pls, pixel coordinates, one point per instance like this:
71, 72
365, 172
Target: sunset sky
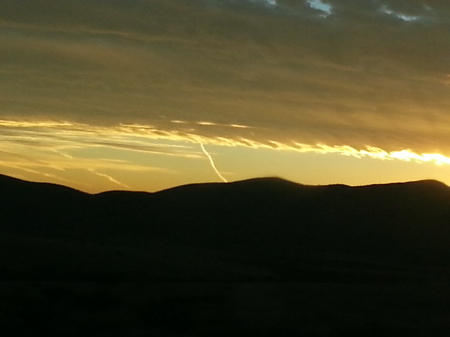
151, 94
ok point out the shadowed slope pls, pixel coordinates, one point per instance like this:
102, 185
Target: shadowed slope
261, 257
268, 216
40, 205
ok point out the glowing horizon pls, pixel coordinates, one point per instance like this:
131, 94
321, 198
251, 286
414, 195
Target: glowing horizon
122, 95
62, 140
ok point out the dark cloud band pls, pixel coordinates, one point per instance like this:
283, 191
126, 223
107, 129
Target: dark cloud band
364, 73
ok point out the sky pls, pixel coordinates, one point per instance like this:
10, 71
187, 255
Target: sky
150, 94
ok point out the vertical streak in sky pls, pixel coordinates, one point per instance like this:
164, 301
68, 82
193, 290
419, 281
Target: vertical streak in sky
212, 163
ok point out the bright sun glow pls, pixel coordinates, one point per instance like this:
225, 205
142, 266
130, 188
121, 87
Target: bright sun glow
72, 134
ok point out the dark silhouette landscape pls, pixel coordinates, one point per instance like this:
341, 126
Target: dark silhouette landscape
260, 257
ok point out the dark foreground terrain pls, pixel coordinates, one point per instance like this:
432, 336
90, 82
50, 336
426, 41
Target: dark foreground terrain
262, 257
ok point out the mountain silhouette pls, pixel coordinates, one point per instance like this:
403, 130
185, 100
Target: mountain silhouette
218, 242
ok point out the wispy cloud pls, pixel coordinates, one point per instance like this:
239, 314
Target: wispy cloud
213, 165
66, 136
36, 172
56, 151
109, 178
359, 78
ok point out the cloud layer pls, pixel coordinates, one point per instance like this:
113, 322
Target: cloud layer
352, 73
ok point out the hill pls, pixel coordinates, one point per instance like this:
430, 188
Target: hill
264, 239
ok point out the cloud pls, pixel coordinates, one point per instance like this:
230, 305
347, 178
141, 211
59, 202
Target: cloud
109, 178
68, 146
361, 77
56, 150
62, 137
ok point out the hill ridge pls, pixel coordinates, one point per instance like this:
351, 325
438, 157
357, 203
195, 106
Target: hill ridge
265, 246
272, 180
256, 215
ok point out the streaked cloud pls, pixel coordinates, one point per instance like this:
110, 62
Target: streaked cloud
109, 178
360, 78
213, 165
63, 137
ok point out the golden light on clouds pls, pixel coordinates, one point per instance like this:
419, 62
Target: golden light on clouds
50, 148
116, 94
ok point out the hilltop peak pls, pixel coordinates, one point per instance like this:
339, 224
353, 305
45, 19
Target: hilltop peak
425, 185
269, 181
431, 182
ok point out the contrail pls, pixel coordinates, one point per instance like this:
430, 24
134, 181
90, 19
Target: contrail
212, 163
111, 179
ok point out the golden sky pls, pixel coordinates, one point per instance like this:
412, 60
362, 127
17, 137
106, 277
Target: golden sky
150, 94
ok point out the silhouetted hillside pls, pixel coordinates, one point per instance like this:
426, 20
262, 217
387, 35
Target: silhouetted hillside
261, 256
264, 214
268, 216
